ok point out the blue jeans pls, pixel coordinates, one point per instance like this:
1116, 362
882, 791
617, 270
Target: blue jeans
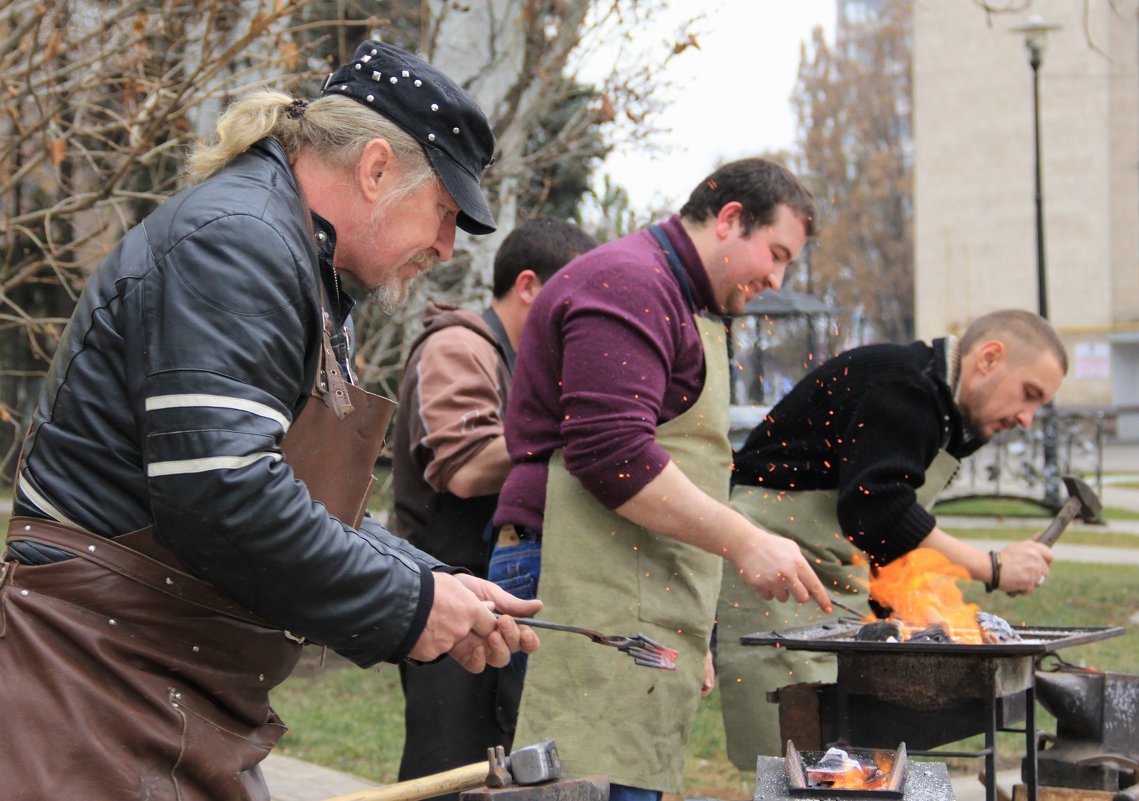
622, 792
516, 568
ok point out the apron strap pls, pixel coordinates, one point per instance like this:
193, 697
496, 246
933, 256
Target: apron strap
674, 264
491, 318
330, 383
130, 563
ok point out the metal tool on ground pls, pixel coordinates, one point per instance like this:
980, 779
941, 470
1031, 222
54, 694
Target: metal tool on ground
531, 765
645, 651
1082, 503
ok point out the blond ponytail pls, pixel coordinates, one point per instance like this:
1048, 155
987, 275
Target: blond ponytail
334, 127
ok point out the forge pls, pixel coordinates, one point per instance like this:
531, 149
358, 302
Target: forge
925, 694
799, 776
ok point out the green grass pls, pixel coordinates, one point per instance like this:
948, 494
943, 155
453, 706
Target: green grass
1101, 537
345, 718
989, 507
1014, 507
1115, 513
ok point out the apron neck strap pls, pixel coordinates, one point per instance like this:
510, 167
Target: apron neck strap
494, 323
330, 383
674, 264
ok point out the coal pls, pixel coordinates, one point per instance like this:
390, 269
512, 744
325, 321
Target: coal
932, 634
879, 631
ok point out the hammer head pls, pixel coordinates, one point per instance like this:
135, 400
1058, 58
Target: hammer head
532, 764
1090, 506
536, 763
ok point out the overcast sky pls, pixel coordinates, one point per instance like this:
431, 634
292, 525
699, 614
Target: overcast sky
732, 96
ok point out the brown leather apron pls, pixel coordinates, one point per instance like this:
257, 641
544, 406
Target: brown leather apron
123, 676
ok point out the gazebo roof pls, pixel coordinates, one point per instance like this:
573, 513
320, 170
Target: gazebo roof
786, 302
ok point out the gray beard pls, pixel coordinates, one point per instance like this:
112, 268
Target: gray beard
391, 297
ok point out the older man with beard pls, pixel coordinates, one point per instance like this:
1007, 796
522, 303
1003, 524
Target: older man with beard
190, 500
848, 464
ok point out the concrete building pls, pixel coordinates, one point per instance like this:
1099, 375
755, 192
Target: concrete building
975, 213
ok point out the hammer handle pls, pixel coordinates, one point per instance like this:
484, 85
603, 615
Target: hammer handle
1060, 522
456, 780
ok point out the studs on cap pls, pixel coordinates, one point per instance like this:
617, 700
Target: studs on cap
365, 59
357, 66
455, 131
394, 79
406, 74
430, 137
418, 82
434, 106
371, 98
376, 75
375, 52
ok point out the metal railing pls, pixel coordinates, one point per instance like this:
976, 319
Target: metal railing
1012, 465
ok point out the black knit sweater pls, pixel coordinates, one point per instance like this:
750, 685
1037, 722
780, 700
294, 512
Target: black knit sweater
868, 423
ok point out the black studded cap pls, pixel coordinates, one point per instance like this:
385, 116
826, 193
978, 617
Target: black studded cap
430, 107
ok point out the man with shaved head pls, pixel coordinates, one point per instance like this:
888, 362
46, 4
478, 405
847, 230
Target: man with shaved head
848, 464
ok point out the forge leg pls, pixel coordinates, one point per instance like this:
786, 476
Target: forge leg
991, 749
1030, 744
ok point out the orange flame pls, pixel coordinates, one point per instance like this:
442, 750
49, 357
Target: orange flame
921, 589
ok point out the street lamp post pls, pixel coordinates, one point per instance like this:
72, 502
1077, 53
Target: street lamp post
1035, 32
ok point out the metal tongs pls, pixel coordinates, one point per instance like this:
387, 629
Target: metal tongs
835, 602
645, 651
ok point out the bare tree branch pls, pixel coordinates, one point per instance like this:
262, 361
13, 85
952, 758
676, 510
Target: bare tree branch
100, 100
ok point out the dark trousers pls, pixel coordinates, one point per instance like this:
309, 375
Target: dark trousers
451, 716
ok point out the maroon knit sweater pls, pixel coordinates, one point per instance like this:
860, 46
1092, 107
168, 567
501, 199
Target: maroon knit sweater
609, 352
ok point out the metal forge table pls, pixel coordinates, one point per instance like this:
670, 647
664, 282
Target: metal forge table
925, 694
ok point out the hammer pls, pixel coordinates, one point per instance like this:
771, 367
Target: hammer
1082, 502
532, 764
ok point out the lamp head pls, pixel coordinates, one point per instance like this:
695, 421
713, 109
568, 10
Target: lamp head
1035, 32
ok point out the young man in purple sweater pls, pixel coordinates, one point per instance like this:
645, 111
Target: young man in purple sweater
617, 423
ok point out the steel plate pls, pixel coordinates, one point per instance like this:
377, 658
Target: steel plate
838, 635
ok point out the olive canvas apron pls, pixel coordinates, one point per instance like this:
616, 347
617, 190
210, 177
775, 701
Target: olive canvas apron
600, 570
747, 673
126, 677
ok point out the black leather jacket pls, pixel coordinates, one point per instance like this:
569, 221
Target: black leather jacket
193, 347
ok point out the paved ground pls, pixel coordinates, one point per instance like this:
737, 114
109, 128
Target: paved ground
968, 787
1121, 457
295, 780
